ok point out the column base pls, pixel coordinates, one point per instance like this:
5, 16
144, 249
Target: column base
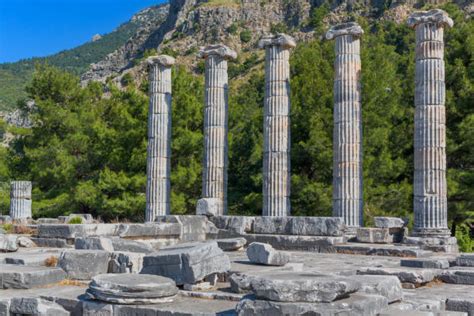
431, 232
434, 243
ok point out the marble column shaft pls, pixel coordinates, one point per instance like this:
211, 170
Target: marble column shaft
276, 125
158, 190
430, 190
20, 199
347, 133
214, 174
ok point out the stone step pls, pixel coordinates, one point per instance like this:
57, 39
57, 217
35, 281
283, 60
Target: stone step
458, 275
381, 250
417, 277
301, 243
13, 276
32, 258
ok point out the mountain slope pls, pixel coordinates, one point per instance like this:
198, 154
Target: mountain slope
14, 76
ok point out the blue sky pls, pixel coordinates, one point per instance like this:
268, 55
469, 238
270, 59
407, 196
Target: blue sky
34, 28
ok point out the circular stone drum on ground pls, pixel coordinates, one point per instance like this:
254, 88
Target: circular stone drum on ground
125, 288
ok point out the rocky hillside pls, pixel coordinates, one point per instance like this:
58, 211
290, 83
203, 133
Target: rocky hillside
14, 76
239, 24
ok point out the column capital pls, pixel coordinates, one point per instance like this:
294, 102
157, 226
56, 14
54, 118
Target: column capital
350, 28
436, 16
163, 60
219, 50
280, 39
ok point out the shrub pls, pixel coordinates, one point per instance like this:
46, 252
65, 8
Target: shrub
233, 28
8, 228
75, 220
246, 36
465, 242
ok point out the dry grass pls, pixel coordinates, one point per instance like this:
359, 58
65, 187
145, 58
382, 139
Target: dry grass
222, 3
22, 229
67, 282
51, 261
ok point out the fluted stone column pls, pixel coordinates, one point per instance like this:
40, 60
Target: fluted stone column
158, 188
430, 199
214, 173
347, 133
20, 200
276, 125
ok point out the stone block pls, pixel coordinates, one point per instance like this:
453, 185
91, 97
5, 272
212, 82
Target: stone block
380, 250
97, 308
84, 264
417, 277
31, 259
36, 306
317, 226
436, 244
261, 253
155, 230
389, 222
208, 206
425, 263
274, 225
8, 243
187, 263
236, 224
126, 245
94, 243
387, 286
465, 260
355, 305
51, 242
193, 227
14, 276
302, 243
126, 262
69, 231
231, 244
458, 276
48, 221
374, 235
302, 287
25, 242
461, 305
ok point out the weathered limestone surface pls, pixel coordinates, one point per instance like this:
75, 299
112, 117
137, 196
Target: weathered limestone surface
374, 235
8, 243
158, 189
466, 260
302, 287
276, 125
261, 253
458, 275
461, 305
416, 277
132, 288
299, 225
20, 199
214, 175
430, 192
14, 276
425, 263
84, 264
347, 136
112, 244
36, 306
125, 262
387, 286
231, 244
187, 263
356, 305
389, 222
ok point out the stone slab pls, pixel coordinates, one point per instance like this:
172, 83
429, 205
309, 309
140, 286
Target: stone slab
389, 222
235, 224
458, 275
84, 264
381, 250
52, 242
152, 230
68, 231
417, 277
465, 260
425, 263
187, 263
231, 244
323, 244
33, 258
441, 244
261, 253
302, 287
387, 286
356, 305
125, 262
14, 276
36, 306
94, 243
193, 227
302, 226
461, 305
